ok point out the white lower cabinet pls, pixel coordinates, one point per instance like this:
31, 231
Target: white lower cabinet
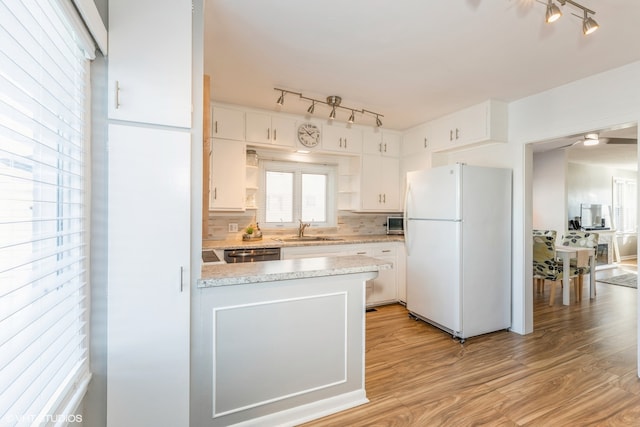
148, 303
381, 290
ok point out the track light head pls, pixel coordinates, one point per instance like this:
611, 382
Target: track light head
589, 25
352, 117
378, 121
553, 12
280, 100
312, 107
332, 114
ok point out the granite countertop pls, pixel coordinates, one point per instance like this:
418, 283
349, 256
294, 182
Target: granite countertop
276, 241
270, 271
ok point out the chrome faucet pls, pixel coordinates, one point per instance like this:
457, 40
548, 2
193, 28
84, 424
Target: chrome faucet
301, 228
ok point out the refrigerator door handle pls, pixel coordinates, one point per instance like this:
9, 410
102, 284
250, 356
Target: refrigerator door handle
405, 217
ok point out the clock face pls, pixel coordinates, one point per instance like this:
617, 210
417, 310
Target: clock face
309, 135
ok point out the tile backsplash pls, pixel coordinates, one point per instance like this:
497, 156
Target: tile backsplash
348, 224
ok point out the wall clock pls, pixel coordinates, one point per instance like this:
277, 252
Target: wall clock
309, 134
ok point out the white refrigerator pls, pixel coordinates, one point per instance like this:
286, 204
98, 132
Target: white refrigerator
458, 243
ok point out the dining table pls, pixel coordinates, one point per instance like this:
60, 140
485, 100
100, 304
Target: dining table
566, 253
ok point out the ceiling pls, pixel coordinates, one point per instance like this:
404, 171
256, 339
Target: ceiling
410, 60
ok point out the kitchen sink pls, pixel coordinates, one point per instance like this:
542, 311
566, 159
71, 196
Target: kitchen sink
309, 239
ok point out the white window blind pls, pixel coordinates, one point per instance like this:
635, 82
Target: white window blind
43, 214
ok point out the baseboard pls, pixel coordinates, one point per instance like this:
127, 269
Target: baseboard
312, 411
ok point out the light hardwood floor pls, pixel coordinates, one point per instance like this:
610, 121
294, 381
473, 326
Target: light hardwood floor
578, 368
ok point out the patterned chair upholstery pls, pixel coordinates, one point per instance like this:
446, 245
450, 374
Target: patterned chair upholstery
545, 233
580, 239
545, 264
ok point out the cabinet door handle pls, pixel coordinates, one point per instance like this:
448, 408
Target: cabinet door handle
361, 253
385, 147
117, 97
384, 198
275, 134
340, 142
450, 134
425, 143
380, 147
181, 280
268, 134
215, 193
345, 143
457, 133
386, 250
215, 127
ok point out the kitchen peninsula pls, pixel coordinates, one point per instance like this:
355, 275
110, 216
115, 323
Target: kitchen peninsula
280, 342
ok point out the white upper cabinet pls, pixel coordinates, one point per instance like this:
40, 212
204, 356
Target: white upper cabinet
381, 142
337, 137
416, 140
266, 129
150, 62
485, 122
227, 123
228, 175
380, 183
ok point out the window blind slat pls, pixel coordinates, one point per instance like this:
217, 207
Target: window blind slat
43, 235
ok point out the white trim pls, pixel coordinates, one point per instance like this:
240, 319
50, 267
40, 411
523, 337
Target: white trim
93, 21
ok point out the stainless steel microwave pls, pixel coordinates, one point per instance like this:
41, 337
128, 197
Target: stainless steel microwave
395, 225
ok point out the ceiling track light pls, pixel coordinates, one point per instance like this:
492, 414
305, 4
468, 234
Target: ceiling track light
312, 107
332, 101
553, 13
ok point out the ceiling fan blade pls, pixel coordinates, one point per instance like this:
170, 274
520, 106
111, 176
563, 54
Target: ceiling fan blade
619, 141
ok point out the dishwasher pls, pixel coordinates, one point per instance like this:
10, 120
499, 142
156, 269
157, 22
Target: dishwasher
232, 256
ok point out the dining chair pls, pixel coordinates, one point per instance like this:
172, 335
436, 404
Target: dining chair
580, 267
538, 283
545, 265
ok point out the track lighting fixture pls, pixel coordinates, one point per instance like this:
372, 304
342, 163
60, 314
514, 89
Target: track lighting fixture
589, 25
332, 101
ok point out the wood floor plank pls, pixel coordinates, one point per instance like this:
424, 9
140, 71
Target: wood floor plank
578, 368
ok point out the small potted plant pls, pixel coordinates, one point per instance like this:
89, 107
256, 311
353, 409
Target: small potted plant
252, 232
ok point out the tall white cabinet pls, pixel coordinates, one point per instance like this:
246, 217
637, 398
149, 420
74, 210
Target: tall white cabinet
148, 301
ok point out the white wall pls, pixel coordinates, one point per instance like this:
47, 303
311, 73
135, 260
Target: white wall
549, 183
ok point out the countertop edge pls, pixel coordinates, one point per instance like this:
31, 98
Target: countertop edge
300, 268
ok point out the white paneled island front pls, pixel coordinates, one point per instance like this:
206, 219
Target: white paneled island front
279, 342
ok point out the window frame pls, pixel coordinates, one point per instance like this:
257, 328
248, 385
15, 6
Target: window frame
298, 169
